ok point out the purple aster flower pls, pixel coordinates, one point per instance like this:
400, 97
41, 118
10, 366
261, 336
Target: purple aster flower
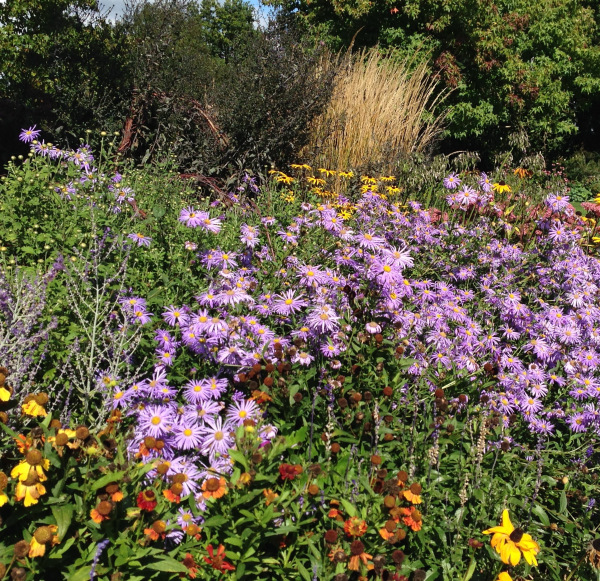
484, 183
174, 316
288, 303
557, 202
140, 239
203, 410
303, 358
577, 422
141, 316
239, 411
188, 435
217, 436
323, 319
466, 196
369, 240
452, 181
191, 218
233, 296
155, 421
28, 135
212, 225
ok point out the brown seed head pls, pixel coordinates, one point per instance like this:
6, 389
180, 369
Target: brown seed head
416, 488
55, 424
256, 458
298, 397
376, 460
213, 484
192, 530
357, 548
419, 575
398, 557
416, 515
162, 468
18, 574
343, 402
61, 439
269, 368
159, 526
335, 448
149, 442
516, 535
180, 477
21, 549
43, 535
82, 433
112, 488
41, 398
3, 481
390, 526
389, 501
357, 397
313, 490
34, 458
3, 418
105, 507
402, 476
268, 381
331, 536
176, 488
339, 556
387, 391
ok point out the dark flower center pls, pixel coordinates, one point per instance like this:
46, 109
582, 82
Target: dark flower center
596, 544
516, 535
357, 548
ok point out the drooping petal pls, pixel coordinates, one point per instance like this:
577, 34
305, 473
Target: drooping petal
506, 524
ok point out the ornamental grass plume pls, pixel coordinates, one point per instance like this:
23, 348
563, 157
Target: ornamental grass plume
377, 112
510, 542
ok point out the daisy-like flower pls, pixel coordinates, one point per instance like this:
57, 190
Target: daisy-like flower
34, 464
217, 561
452, 181
28, 135
191, 217
43, 537
140, 239
155, 421
358, 555
173, 315
212, 225
510, 542
217, 437
355, 527
239, 411
288, 303
188, 436
214, 487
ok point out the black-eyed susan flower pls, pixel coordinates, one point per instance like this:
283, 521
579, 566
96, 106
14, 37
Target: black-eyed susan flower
510, 542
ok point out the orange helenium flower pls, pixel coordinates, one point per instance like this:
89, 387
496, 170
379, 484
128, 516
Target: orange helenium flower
214, 487
355, 527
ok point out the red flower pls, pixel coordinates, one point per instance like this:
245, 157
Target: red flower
218, 561
289, 472
191, 564
146, 500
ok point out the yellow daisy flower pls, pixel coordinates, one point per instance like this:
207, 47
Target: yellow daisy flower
510, 543
501, 187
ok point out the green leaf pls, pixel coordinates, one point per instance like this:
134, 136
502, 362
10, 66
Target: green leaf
303, 571
63, 516
542, 514
168, 565
348, 507
239, 457
107, 479
563, 502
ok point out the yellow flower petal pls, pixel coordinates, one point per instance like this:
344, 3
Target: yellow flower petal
506, 524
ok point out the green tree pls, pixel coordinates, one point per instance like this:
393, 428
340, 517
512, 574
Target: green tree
62, 66
516, 66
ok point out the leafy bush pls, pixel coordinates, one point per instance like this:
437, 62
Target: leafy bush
514, 66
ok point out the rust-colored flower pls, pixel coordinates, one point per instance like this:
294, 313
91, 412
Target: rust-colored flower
289, 472
191, 565
412, 518
217, 561
214, 487
146, 500
270, 496
102, 511
357, 550
355, 527
413, 494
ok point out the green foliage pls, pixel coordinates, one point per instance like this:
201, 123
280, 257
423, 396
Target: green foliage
514, 66
63, 68
215, 91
